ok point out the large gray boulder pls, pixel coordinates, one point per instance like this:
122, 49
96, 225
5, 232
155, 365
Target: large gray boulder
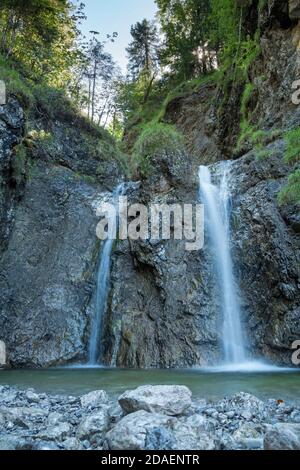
282, 436
172, 400
94, 399
191, 434
92, 427
58, 432
131, 432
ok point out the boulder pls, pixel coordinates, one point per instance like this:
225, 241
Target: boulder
243, 404
94, 399
282, 436
160, 439
55, 418
171, 400
55, 433
92, 427
72, 444
191, 434
132, 431
32, 397
8, 442
45, 446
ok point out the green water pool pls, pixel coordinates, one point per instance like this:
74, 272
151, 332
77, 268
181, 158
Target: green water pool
281, 384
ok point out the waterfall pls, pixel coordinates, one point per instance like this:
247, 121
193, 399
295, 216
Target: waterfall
216, 200
102, 289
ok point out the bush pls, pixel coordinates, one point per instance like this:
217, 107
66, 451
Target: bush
53, 103
155, 139
257, 138
246, 99
15, 84
291, 193
292, 140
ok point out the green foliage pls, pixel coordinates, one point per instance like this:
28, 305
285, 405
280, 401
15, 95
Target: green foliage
246, 98
257, 139
155, 139
15, 83
142, 51
18, 164
41, 35
292, 140
187, 27
53, 103
291, 193
262, 4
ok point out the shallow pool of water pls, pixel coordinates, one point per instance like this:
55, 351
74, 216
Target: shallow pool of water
283, 384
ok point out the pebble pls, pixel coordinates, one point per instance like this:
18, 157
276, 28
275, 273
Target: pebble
44, 422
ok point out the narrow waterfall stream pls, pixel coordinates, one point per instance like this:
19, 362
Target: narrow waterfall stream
217, 212
102, 289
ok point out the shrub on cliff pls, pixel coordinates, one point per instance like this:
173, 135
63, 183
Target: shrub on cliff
155, 139
291, 193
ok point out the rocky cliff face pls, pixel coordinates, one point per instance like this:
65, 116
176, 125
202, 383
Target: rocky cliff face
49, 249
266, 250
164, 305
161, 311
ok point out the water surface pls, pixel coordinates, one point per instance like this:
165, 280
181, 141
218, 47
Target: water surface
281, 384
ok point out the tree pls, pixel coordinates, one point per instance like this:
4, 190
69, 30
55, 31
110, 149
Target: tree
41, 34
186, 26
143, 50
96, 74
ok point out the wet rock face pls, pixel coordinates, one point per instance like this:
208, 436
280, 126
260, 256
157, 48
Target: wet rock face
11, 128
48, 244
294, 9
267, 254
47, 270
162, 310
196, 117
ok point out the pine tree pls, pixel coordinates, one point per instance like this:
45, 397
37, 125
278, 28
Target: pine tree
143, 50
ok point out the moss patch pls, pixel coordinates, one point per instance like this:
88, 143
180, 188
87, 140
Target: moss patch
155, 139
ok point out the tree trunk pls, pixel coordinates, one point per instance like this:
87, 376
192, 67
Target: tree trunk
94, 90
148, 90
89, 99
103, 109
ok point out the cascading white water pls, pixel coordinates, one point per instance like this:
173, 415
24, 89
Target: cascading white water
217, 204
102, 289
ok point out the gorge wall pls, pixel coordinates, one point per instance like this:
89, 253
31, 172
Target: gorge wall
164, 307
164, 303
49, 250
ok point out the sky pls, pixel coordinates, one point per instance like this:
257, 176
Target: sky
107, 16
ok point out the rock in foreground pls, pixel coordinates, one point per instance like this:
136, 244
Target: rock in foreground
283, 437
172, 400
171, 421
